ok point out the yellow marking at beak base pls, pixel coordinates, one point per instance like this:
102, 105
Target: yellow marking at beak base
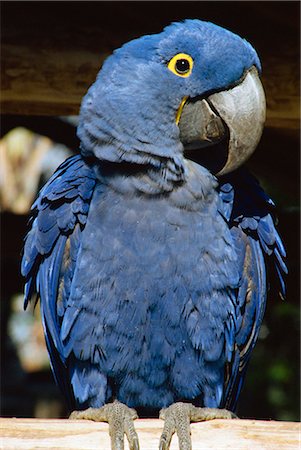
180, 109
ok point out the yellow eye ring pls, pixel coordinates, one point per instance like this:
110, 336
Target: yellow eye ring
181, 65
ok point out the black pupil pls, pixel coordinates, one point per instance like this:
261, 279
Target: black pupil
182, 66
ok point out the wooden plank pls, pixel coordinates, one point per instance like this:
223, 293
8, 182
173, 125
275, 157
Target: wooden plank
48, 63
58, 88
48, 83
281, 85
216, 434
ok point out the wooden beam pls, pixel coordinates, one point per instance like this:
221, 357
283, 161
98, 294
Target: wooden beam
50, 83
281, 85
48, 63
53, 83
216, 434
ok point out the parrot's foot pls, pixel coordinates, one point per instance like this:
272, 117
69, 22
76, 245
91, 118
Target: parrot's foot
177, 419
120, 419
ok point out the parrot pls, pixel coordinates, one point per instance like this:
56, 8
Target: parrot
151, 249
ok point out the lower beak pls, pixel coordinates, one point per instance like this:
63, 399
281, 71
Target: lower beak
231, 120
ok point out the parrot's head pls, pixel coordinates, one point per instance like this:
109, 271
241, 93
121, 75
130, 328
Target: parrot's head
190, 92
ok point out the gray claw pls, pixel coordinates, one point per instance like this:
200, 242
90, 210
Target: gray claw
177, 419
120, 419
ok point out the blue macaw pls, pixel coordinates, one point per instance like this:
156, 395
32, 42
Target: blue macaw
148, 250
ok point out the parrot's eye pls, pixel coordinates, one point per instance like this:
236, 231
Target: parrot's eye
181, 65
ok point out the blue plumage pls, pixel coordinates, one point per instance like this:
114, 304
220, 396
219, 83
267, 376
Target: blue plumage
150, 270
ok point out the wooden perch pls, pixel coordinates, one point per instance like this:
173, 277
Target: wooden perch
216, 434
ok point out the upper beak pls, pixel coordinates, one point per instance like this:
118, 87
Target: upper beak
235, 117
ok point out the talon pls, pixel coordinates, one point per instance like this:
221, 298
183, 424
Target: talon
177, 419
87, 414
172, 418
202, 414
136, 445
164, 442
120, 419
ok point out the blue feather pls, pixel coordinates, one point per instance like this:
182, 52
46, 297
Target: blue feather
45, 249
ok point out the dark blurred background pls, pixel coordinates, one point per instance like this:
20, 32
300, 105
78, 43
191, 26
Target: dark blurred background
51, 52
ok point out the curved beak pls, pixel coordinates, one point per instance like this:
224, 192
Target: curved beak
234, 117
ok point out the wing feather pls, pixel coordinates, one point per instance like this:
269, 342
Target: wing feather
249, 212
50, 252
